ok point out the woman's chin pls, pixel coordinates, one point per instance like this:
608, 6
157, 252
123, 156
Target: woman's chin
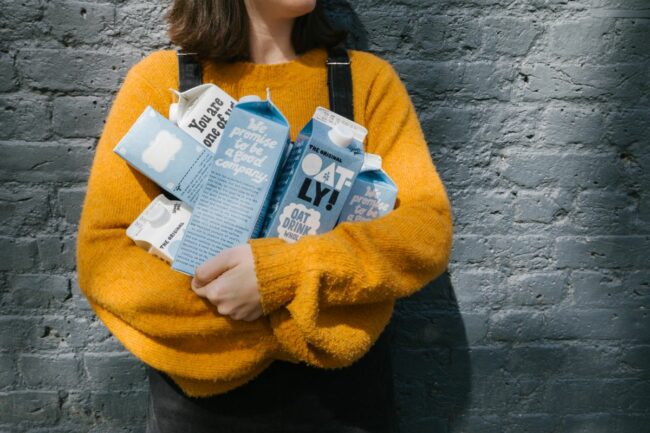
289, 8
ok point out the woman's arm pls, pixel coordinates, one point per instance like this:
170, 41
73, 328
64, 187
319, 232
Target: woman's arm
339, 287
115, 274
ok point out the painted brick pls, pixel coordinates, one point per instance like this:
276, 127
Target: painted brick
537, 118
38, 162
56, 252
610, 289
25, 117
7, 73
70, 201
73, 22
8, 373
126, 407
490, 210
566, 124
542, 207
140, 24
478, 287
73, 70
607, 211
512, 36
603, 251
22, 210
539, 288
29, 291
588, 37
81, 116
114, 371
17, 254
33, 408
49, 372
21, 21
561, 169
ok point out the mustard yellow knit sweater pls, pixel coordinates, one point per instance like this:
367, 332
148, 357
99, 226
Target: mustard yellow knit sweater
326, 298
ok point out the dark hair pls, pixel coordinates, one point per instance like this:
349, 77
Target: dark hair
218, 29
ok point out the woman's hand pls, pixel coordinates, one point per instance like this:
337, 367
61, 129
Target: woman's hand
228, 281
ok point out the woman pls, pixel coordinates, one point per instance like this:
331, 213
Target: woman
268, 336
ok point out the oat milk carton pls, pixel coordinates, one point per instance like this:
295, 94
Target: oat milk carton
317, 177
203, 112
167, 155
160, 227
373, 193
233, 202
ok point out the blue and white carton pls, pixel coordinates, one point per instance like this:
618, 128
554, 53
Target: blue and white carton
203, 112
234, 200
317, 177
160, 227
167, 155
373, 193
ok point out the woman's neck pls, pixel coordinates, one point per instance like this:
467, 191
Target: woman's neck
270, 40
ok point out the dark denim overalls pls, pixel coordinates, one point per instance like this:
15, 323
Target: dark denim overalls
286, 398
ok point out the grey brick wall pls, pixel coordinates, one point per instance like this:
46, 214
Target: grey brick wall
537, 113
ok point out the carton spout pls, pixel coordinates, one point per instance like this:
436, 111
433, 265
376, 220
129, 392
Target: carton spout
341, 135
371, 162
202, 112
157, 216
173, 112
176, 92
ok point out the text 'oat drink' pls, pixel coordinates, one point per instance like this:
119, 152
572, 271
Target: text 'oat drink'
203, 112
317, 177
167, 155
234, 200
373, 193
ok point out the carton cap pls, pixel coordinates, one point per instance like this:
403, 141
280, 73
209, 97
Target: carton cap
341, 135
371, 162
157, 216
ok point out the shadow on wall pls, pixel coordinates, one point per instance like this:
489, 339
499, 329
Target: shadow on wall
429, 344
431, 359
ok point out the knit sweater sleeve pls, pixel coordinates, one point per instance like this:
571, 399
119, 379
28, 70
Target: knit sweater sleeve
116, 276
339, 287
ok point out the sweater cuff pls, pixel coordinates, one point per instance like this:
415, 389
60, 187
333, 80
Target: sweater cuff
277, 267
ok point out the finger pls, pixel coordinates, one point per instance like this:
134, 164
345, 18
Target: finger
201, 291
252, 316
247, 315
212, 291
250, 313
237, 315
225, 309
212, 268
243, 313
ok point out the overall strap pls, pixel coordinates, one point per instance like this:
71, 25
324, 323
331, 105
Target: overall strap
189, 71
339, 81
339, 78
189, 75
